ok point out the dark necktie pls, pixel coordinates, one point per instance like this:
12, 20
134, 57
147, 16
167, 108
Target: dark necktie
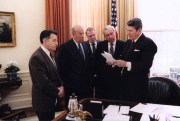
81, 51
130, 48
93, 48
53, 61
111, 49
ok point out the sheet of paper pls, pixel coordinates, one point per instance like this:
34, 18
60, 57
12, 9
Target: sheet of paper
111, 109
143, 108
116, 117
167, 109
108, 56
124, 110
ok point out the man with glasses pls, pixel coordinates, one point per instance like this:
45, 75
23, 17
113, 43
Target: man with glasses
108, 83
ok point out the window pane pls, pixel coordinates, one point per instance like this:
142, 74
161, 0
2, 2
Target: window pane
162, 14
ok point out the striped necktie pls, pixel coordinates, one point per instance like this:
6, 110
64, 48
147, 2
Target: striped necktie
111, 49
81, 51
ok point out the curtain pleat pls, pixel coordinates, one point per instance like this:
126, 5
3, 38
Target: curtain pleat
58, 17
97, 14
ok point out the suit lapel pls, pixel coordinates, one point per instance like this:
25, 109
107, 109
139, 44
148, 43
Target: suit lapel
48, 61
76, 51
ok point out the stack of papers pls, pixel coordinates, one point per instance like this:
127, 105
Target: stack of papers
116, 109
116, 117
163, 112
115, 113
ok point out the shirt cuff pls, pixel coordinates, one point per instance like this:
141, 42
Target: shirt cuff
128, 65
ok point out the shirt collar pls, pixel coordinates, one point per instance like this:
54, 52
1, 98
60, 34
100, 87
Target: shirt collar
45, 50
137, 38
76, 42
114, 43
94, 43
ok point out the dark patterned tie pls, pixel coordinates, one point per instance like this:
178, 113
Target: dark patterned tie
93, 48
54, 62
111, 49
81, 51
130, 48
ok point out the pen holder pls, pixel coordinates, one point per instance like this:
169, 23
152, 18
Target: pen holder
154, 118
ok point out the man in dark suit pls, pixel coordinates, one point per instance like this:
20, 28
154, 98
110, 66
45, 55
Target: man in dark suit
46, 82
137, 60
73, 62
108, 83
92, 44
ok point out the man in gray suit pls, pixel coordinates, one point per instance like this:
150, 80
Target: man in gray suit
46, 82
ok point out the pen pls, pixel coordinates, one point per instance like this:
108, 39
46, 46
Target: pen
154, 117
119, 107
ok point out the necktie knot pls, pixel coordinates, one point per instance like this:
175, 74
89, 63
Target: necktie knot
93, 44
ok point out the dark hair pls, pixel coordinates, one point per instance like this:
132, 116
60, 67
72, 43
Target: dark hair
135, 22
46, 34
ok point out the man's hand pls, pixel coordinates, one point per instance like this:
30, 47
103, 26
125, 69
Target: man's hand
110, 62
120, 63
61, 91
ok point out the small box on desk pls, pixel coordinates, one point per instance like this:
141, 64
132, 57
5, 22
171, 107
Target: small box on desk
95, 108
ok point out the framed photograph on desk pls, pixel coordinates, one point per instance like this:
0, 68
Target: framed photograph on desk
7, 29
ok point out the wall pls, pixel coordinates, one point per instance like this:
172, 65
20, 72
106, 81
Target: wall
29, 21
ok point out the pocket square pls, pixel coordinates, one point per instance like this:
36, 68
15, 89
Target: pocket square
137, 50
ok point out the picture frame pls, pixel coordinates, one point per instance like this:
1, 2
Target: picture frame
7, 29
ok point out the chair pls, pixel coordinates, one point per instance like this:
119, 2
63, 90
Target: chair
162, 90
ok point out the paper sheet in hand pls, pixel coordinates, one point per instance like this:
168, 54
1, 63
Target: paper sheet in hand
108, 56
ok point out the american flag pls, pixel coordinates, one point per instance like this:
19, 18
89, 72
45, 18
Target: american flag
114, 15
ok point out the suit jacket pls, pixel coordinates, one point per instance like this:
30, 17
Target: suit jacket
92, 62
108, 83
74, 70
45, 80
141, 57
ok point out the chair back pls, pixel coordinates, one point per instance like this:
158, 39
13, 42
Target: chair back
162, 90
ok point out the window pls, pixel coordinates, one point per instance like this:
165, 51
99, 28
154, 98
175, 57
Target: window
161, 22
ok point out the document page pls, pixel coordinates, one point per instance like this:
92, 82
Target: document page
143, 108
111, 109
116, 117
124, 109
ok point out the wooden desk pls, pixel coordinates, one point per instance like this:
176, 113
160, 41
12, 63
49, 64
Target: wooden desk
105, 103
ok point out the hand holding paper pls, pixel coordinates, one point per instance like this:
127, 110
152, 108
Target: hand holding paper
109, 59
